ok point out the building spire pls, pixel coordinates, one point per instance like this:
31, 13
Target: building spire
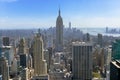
59, 10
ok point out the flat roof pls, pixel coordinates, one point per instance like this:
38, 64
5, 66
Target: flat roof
77, 43
115, 63
6, 46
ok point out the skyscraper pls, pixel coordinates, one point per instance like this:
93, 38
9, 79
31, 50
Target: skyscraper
115, 70
116, 49
40, 66
21, 47
22, 53
69, 25
86, 37
100, 40
4, 68
82, 61
8, 53
59, 33
6, 41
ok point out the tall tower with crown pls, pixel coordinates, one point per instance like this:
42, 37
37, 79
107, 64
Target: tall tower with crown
59, 33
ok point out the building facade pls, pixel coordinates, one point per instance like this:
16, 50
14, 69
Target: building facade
0, 77
116, 49
22, 47
82, 61
115, 70
8, 53
6, 41
59, 33
40, 66
100, 40
4, 68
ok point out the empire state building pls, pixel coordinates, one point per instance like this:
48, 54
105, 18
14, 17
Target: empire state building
59, 33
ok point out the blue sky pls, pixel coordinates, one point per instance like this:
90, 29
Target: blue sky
43, 13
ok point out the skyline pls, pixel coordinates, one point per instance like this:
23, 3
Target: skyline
25, 14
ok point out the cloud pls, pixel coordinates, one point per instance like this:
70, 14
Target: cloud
8, 0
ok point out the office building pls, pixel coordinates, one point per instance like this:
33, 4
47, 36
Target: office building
40, 77
82, 61
116, 49
59, 33
86, 37
4, 69
8, 53
48, 56
24, 74
100, 40
14, 66
50, 51
69, 25
22, 47
57, 76
6, 41
40, 66
115, 70
107, 30
23, 60
0, 77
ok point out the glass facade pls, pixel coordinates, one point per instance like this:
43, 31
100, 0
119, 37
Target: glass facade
116, 49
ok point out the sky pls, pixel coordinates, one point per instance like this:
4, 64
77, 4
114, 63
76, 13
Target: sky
24, 14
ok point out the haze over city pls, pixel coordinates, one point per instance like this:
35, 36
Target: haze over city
24, 14
59, 40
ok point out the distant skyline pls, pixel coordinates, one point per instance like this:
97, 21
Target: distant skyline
25, 14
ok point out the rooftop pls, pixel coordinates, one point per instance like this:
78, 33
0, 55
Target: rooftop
116, 63
77, 43
6, 47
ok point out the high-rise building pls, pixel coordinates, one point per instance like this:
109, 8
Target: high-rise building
48, 57
24, 74
21, 47
57, 76
107, 30
100, 40
82, 61
69, 25
31, 53
86, 38
23, 60
107, 62
115, 70
116, 49
40, 66
4, 69
6, 41
59, 33
0, 77
8, 53
40, 78
14, 67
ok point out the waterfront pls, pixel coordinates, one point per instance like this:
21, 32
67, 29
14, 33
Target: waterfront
95, 31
